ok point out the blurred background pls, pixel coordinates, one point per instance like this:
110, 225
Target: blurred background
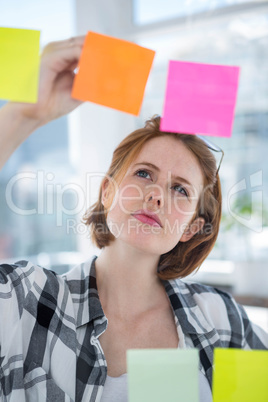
54, 176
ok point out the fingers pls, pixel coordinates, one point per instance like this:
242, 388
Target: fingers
63, 55
76, 41
67, 43
66, 56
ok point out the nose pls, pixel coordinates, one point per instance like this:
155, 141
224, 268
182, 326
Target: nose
154, 197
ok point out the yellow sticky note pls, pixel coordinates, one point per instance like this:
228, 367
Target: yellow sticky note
240, 375
19, 66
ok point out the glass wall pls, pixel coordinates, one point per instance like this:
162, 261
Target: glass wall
240, 38
150, 11
40, 177
36, 195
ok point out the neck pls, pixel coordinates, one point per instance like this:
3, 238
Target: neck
127, 280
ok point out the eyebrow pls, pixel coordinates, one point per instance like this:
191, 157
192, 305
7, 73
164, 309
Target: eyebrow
177, 178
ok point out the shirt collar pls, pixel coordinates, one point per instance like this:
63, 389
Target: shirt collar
81, 281
186, 309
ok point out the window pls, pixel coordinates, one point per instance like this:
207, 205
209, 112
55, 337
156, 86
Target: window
151, 11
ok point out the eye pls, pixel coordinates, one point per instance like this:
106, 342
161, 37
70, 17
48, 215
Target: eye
143, 173
180, 189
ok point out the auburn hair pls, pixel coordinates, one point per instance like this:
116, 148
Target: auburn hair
185, 257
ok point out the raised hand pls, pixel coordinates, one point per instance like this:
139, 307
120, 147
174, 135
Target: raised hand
58, 61
19, 120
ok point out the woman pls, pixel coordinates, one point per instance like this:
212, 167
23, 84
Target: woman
156, 220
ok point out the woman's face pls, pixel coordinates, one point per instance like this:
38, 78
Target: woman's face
157, 198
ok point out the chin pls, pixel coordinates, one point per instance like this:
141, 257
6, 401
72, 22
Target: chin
149, 243
146, 238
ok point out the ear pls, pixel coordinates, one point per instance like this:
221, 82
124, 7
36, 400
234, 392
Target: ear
192, 229
105, 192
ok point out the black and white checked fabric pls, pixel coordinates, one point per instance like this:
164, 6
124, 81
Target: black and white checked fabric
50, 324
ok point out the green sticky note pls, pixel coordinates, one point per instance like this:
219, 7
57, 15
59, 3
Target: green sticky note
159, 375
19, 66
240, 375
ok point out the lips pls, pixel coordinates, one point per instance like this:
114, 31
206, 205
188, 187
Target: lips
147, 217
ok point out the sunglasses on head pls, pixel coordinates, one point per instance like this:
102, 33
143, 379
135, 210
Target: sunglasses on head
213, 147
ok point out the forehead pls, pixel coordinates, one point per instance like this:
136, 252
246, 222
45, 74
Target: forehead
171, 155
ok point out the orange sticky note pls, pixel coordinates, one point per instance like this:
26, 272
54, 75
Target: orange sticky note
112, 72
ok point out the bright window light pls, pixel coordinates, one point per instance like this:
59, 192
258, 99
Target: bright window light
150, 11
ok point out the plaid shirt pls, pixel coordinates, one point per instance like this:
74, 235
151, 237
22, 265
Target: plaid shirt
50, 324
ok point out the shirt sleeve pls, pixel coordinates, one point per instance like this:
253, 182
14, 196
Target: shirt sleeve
37, 335
15, 282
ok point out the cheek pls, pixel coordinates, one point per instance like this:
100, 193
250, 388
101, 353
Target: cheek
182, 209
129, 195
178, 218
125, 201
116, 219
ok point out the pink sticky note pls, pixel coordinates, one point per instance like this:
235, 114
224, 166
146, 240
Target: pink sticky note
200, 99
